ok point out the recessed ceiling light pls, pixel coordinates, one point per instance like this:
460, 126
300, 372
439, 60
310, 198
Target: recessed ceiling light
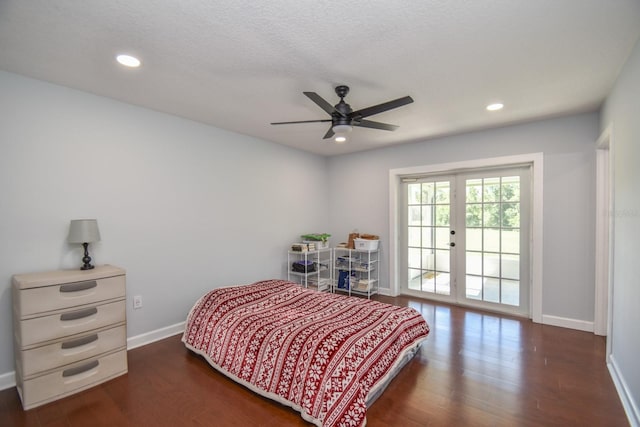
128, 61
495, 107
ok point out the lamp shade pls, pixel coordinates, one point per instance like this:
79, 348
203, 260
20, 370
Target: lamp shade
83, 231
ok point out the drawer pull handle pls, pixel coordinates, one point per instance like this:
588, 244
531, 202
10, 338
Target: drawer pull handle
80, 286
80, 341
79, 314
80, 369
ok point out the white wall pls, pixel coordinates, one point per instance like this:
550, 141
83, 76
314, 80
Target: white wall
359, 188
622, 111
182, 206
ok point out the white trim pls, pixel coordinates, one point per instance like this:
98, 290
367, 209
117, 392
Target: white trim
603, 236
7, 380
565, 322
153, 336
537, 171
537, 216
626, 398
394, 232
385, 292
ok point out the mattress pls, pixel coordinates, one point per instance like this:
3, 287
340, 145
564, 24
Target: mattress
325, 355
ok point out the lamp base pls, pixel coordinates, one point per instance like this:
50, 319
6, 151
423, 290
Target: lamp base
86, 259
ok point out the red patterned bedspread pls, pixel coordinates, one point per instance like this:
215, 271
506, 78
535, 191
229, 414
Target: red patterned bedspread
316, 352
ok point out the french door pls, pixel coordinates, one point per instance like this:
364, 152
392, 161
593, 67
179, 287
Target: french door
466, 238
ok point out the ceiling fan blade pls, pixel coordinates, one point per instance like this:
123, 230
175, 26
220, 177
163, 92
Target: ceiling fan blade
329, 133
302, 121
374, 125
385, 106
322, 103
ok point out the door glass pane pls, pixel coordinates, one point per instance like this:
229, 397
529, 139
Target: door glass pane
491, 239
474, 263
442, 192
427, 215
415, 217
428, 190
474, 239
442, 215
511, 266
415, 276
474, 287
414, 258
510, 189
427, 237
511, 214
491, 215
491, 290
428, 281
443, 283
442, 238
511, 292
474, 191
491, 190
474, 215
414, 194
442, 260
491, 264
428, 259
511, 240
413, 238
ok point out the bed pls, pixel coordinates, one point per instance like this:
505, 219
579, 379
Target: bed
325, 355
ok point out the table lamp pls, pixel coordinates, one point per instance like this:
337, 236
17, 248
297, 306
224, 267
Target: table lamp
84, 231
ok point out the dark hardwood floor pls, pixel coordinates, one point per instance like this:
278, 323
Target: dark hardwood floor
475, 369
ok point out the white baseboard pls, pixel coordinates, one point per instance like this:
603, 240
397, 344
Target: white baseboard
565, 322
8, 380
153, 336
630, 407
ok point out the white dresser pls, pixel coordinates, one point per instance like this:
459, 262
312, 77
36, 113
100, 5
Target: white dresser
70, 331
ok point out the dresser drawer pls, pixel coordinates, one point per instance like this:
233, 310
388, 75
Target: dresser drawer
71, 350
42, 299
71, 379
70, 322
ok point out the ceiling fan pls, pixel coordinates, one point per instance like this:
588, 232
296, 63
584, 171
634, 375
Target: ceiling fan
343, 118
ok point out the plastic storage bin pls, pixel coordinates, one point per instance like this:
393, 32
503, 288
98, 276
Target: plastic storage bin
365, 244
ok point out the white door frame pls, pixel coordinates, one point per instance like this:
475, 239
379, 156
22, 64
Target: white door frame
536, 162
604, 236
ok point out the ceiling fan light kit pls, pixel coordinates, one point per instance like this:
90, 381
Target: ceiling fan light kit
343, 118
340, 139
342, 128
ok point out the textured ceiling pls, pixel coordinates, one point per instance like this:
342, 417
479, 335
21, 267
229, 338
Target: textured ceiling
240, 64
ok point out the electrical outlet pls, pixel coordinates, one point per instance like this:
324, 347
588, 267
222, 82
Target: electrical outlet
137, 302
